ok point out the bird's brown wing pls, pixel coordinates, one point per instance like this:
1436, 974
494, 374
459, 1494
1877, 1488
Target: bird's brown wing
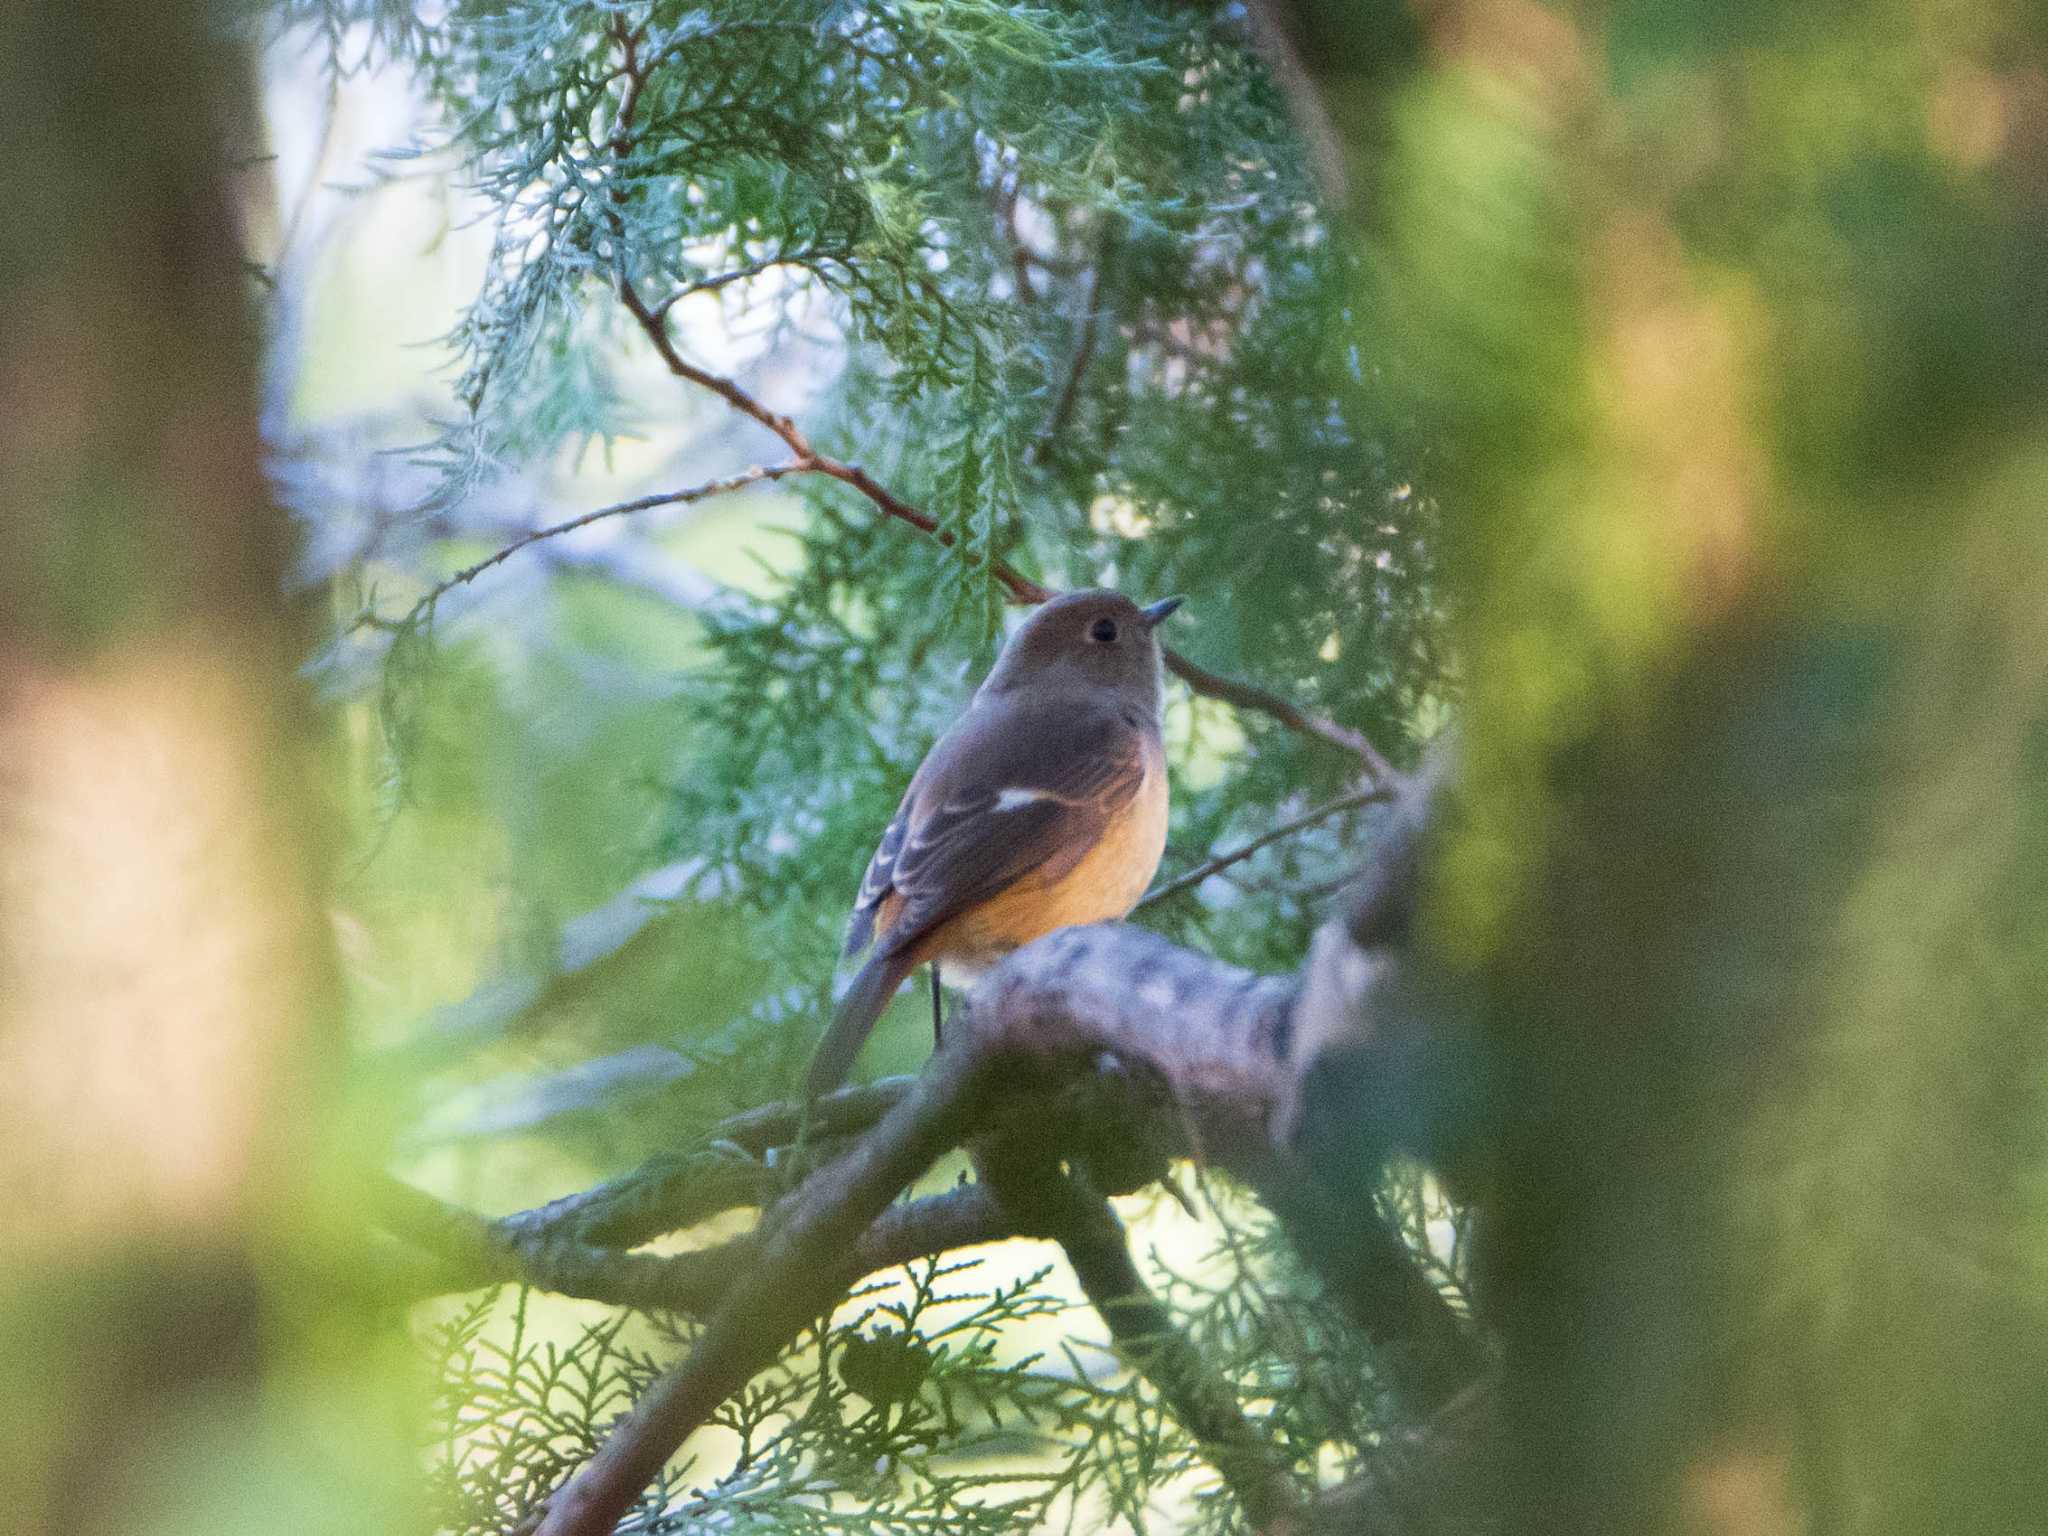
878, 884
1017, 788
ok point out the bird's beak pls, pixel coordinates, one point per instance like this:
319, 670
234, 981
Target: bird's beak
1160, 610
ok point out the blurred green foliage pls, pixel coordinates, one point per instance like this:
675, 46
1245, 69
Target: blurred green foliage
1731, 321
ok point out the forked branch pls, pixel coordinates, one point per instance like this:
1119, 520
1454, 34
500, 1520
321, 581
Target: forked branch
1202, 1053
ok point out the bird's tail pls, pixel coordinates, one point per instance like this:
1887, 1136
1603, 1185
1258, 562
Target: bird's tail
872, 988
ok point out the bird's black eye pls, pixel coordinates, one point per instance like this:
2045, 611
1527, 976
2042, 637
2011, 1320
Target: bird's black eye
1103, 630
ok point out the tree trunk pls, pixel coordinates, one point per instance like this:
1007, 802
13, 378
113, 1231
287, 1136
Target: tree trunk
167, 994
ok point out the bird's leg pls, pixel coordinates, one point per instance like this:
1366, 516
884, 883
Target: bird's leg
935, 1005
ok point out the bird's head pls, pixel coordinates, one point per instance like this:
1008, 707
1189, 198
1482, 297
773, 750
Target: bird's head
1096, 639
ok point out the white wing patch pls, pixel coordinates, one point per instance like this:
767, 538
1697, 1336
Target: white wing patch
1016, 799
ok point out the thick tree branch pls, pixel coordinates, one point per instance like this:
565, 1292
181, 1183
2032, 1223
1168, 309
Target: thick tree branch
1106, 1049
1230, 1052
1083, 1049
550, 1248
809, 1256
1218, 1049
561, 1245
466, 1252
1217, 1040
1029, 1027
807, 1260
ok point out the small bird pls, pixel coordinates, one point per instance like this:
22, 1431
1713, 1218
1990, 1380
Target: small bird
1043, 807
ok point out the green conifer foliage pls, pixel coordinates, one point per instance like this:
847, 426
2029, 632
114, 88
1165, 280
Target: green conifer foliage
1094, 329
1087, 326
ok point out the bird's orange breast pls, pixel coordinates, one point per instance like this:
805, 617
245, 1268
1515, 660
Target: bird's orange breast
1104, 883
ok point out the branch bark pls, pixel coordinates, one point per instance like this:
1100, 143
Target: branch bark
465, 1251
807, 1260
1206, 1056
1104, 1050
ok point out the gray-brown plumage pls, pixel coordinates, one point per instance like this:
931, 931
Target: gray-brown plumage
1043, 807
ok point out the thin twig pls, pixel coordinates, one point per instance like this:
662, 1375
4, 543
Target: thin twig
810, 261
654, 323
1239, 695
1022, 588
1194, 877
843, 1112
1084, 356
746, 477
1007, 192
760, 473
1279, 46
